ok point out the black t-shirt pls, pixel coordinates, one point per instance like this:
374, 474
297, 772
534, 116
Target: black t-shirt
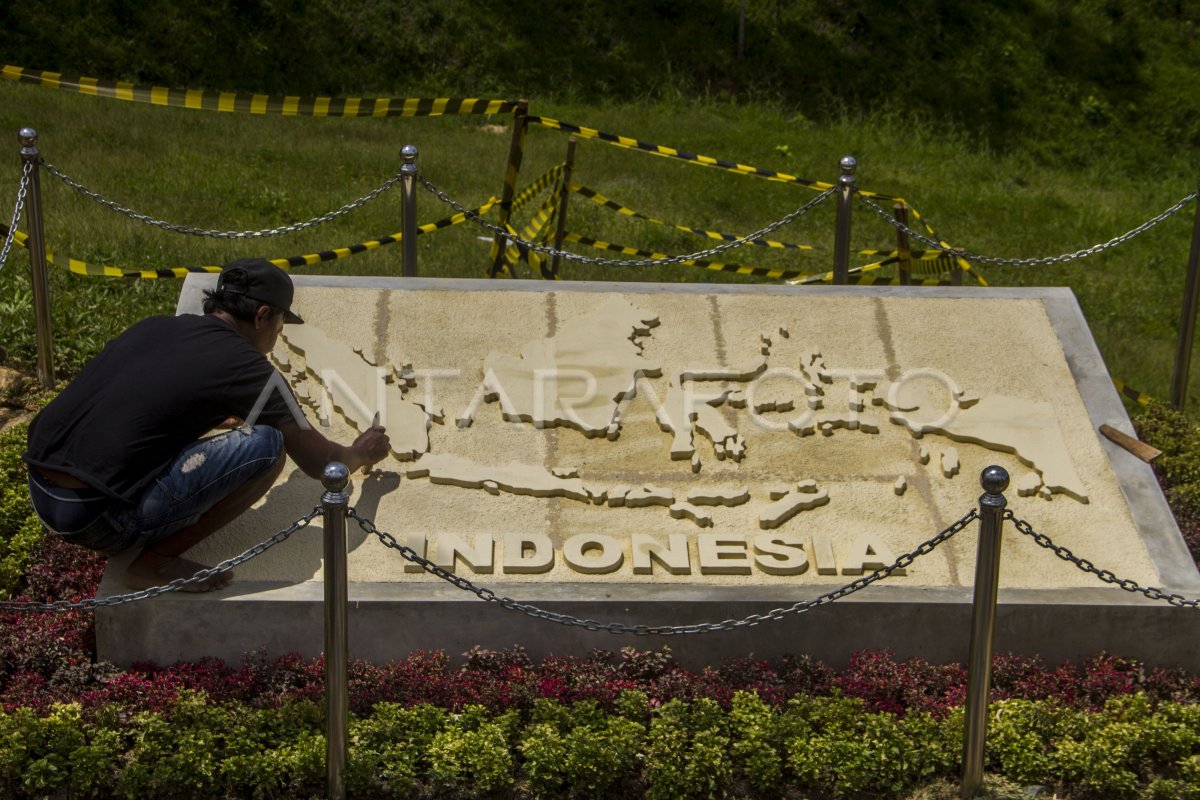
151, 392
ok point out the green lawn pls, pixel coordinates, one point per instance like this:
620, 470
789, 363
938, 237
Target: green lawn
239, 171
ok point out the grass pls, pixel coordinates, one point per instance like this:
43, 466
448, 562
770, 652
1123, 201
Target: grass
230, 171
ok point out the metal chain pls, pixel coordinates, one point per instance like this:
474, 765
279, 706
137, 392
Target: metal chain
173, 586
1152, 592
167, 226
616, 262
662, 630
16, 217
1029, 262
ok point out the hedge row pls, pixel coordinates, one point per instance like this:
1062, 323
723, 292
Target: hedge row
812, 747
1178, 469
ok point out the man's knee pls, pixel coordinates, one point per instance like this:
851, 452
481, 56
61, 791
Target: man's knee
272, 439
261, 445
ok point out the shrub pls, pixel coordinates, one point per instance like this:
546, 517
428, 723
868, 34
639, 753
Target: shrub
687, 751
20, 530
578, 751
1178, 469
887, 685
471, 756
1020, 733
837, 745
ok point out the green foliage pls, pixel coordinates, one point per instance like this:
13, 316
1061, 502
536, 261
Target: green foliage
20, 530
578, 751
471, 756
756, 746
390, 749
853, 753
1179, 438
687, 751
41, 756
633, 705
815, 747
1020, 734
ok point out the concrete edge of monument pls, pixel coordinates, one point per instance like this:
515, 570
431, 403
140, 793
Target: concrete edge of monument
388, 621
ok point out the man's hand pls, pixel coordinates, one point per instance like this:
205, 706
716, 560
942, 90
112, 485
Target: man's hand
373, 445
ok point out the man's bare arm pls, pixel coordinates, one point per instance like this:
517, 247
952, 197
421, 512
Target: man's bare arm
311, 450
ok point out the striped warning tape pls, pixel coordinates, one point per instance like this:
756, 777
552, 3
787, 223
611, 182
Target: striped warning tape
792, 276
537, 231
548, 179
695, 158
84, 268
920, 262
872, 281
601, 200
241, 102
963, 264
1131, 393
855, 274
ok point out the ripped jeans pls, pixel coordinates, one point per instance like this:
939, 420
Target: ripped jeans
206, 472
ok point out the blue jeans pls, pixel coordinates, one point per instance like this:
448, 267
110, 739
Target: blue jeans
206, 472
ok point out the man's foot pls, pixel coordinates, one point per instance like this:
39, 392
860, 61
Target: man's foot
151, 569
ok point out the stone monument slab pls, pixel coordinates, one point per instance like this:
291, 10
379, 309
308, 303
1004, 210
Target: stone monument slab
671, 454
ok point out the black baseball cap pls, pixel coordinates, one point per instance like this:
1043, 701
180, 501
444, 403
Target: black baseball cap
260, 280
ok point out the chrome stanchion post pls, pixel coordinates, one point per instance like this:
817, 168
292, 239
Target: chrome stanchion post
337, 715
408, 185
37, 258
1187, 319
841, 240
983, 625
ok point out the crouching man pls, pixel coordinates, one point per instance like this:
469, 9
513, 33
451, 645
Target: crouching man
120, 459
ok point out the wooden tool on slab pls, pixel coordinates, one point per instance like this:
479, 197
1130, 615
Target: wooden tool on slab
1139, 448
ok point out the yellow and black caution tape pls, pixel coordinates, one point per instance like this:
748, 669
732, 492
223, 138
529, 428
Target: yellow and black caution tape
873, 281
84, 268
921, 262
551, 177
605, 202
963, 264
792, 276
516, 153
536, 231
1131, 393
695, 158
242, 102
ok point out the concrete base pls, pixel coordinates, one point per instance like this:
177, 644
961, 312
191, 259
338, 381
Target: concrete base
388, 622
1047, 607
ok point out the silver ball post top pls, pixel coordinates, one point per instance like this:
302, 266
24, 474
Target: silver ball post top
409, 154
848, 163
335, 477
27, 137
994, 480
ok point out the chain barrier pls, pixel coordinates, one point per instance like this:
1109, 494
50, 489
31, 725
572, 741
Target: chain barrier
800, 607
1152, 592
515, 239
215, 234
173, 586
11, 234
1030, 262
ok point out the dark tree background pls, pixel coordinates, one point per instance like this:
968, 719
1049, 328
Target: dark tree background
1066, 80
